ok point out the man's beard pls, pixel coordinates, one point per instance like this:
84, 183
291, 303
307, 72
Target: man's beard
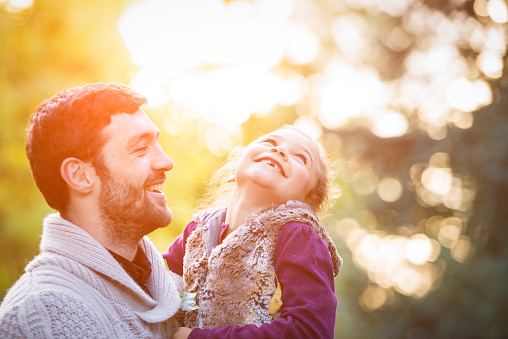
128, 212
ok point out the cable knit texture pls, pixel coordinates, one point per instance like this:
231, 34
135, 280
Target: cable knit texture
236, 279
75, 289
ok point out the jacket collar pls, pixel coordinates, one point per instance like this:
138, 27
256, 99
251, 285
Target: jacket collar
72, 242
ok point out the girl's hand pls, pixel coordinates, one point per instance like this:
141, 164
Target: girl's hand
182, 333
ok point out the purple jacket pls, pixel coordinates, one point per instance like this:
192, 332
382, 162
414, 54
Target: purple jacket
304, 269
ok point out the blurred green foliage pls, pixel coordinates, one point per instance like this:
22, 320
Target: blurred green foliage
469, 301
49, 47
59, 44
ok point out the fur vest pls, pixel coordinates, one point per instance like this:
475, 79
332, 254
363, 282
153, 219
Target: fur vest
236, 279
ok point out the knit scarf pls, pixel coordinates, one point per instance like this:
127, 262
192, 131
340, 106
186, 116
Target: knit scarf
236, 279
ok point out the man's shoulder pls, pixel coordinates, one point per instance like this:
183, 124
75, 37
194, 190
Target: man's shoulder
49, 271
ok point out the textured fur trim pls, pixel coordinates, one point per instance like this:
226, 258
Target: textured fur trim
237, 279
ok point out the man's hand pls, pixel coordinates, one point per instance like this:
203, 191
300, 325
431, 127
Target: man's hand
182, 333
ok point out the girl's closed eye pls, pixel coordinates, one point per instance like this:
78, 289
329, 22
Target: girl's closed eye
269, 141
303, 158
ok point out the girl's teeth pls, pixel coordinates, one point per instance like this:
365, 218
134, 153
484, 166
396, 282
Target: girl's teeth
273, 164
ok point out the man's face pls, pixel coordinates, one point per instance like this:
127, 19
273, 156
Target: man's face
131, 199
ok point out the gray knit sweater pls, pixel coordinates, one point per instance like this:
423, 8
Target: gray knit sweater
75, 289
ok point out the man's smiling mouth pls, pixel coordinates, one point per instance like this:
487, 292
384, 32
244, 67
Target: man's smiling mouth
157, 188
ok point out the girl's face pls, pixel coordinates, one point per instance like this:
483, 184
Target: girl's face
279, 166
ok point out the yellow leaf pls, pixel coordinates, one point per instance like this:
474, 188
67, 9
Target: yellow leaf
275, 302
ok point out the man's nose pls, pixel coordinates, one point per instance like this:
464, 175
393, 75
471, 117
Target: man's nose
162, 162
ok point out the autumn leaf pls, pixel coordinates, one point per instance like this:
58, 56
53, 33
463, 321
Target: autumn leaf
275, 302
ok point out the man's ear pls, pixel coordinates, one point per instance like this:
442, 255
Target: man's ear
232, 176
77, 174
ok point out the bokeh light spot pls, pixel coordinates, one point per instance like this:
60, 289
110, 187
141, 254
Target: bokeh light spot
373, 297
448, 235
389, 189
419, 249
437, 180
491, 64
480, 7
389, 124
303, 45
468, 95
310, 126
349, 92
462, 249
463, 120
364, 182
498, 11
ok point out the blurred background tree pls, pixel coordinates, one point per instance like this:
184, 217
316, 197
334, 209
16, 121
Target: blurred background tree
408, 96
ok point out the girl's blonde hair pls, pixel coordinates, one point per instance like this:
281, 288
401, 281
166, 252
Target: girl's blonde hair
219, 190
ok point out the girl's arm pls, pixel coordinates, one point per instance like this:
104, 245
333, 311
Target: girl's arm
305, 272
176, 251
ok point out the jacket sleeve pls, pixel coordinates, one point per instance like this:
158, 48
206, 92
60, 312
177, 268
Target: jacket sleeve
304, 268
176, 251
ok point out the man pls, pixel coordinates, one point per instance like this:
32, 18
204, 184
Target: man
95, 157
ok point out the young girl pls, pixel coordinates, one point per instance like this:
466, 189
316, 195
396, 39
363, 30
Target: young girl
261, 261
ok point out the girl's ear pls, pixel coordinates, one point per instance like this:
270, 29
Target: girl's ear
77, 174
231, 177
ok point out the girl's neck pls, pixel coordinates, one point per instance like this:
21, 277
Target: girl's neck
240, 207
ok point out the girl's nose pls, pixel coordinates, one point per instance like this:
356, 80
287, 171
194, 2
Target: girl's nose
281, 151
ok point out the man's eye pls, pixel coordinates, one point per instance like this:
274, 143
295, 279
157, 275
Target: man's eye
142, 148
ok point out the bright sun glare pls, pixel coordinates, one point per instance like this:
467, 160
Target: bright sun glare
221, 61
215, 59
